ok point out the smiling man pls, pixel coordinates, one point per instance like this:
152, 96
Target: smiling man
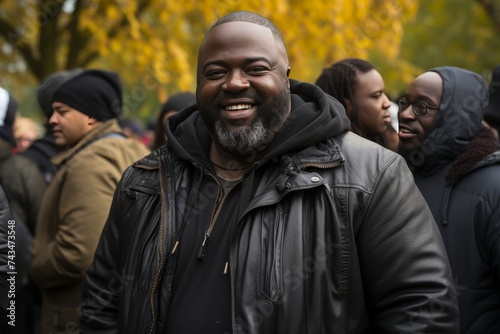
77, 201
456, 164
264, 214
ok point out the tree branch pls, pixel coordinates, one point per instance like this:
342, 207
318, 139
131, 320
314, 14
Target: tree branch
78, 40
48, 42
19, 42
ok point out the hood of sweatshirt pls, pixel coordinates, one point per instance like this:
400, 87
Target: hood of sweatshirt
315, 116
458, 121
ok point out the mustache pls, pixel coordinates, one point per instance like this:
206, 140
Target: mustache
224, 96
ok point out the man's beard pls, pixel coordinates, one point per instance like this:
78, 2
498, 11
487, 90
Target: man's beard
245, 140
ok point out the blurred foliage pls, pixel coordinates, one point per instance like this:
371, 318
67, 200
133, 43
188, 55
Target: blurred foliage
461, 33
153, 43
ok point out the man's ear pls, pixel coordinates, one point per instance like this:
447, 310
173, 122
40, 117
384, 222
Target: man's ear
348, 107
91, 121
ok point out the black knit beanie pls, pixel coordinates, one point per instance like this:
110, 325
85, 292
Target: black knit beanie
95, 93
8, 108
492, 114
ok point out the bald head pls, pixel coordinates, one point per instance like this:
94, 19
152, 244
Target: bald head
428, 85
245, 16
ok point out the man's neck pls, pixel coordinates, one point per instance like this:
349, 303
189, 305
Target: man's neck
229, 166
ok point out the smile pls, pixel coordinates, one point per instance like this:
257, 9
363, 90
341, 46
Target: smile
238, 107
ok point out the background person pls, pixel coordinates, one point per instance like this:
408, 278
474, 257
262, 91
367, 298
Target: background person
25, 132
77, 201
43, 149
360, 89
456, 165
173, 105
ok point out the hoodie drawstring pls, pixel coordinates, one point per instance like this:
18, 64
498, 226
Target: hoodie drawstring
193, 191
444, 205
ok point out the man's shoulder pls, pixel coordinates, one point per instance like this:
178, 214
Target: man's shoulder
22, 164
366, 163
116, 142
488, 169
358, 148
148, 163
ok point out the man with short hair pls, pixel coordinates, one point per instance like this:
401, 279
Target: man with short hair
78, 198
456, 165
43, 149
264, 214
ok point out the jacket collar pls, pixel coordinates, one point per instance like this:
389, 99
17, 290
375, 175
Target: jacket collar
106, 127
481, 151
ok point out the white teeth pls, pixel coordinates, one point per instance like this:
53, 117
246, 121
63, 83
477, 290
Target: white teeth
238, 107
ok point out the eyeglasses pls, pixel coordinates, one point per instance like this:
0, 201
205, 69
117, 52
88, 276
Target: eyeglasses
419, 108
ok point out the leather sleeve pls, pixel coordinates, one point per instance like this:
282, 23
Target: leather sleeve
407, 276
101, 288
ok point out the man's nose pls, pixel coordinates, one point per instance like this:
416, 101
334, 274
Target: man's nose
406, 113
53, 119
236, 81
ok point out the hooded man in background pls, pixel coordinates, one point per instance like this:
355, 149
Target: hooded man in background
77, 201
456, 165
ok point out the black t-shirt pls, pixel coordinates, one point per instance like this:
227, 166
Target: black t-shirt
201, 301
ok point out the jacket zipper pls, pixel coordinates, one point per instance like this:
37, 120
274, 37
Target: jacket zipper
202, 252
162, 261
322, 166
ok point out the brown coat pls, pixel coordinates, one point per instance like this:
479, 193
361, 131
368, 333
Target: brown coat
71, 219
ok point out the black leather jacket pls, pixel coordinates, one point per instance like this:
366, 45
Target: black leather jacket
354, 247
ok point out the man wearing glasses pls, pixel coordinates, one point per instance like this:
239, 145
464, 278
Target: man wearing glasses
456, 165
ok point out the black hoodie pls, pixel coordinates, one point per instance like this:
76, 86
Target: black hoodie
314, 117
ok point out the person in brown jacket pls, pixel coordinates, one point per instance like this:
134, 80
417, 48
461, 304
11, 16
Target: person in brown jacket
78, 199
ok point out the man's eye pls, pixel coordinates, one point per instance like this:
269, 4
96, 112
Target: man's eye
420, 106
215, 74
257, 69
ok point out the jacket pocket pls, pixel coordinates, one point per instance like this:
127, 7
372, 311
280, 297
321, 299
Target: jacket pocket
271, 256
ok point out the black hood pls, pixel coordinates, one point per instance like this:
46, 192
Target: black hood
315, 116
458, 120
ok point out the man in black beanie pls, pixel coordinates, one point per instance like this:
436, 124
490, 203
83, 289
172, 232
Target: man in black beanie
95, 93
43, 149
77, 201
